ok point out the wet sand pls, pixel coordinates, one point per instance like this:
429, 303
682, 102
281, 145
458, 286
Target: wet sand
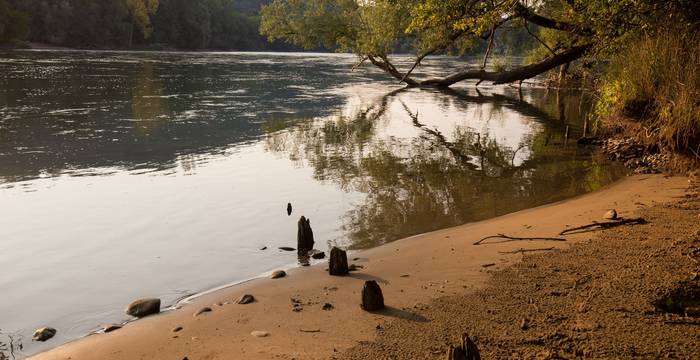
412, 272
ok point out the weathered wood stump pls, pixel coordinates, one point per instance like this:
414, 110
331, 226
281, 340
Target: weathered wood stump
372, 297
466, 351
338, 263
305, 236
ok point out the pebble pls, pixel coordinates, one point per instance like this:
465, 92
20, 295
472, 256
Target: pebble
246, 299
111, 327
258, 333
278, 274
44, 334
327, 306
611, 215
203, 310
177, 329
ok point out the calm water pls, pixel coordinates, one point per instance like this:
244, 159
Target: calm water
129, 175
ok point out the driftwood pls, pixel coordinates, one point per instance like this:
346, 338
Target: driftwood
525, 250
466, 351
305, 236
372, 297
604, 225
338, 263
513, 238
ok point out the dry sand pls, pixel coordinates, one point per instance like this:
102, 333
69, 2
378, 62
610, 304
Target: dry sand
413, 273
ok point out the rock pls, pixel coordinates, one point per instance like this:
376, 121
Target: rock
44, 334
177, 329
278, 274
286, 248
338, 264
258, 333
318, 255
246, 299
524, 324
263, 248
111, 327
289, 209
327, 307
203, 310
611, 215
352, 267
143, 307
372, 297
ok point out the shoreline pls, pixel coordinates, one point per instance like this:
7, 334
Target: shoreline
412, 272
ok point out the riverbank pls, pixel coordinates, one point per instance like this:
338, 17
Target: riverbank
412, 272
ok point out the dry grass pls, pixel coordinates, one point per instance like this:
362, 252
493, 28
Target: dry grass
655, 83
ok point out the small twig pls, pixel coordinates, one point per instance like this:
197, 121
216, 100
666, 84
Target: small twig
525, 250
512, 238
310, 331
604, 225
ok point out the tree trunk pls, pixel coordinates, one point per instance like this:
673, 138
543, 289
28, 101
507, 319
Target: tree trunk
338, 263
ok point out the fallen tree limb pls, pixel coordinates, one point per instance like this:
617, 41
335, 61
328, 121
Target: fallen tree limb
604, 225
513, 238
525, 250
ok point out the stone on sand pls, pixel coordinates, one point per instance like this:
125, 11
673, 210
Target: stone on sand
143, 307
44, 334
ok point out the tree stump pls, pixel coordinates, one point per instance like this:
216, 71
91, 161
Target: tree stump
338, 263
466, 351
305, 236
372, 297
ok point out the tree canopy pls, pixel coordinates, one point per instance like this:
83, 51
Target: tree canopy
565, 30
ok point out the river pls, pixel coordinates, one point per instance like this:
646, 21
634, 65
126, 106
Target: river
126, 175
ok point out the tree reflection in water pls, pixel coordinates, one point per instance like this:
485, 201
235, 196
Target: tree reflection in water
432, 159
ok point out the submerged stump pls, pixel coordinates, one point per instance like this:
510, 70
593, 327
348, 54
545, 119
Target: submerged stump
305, 236
338, 263
372, 297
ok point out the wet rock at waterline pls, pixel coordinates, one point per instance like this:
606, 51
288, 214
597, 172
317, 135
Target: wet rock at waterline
278, 274
611, 215
305, 235
143, 307
246, 299
372, 297
318, 255
203, 310
286, 248
111, 327
338, 264
44, 334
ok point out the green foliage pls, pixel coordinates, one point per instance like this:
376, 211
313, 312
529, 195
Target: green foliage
14, 25
182, 24
141, 11
660, 88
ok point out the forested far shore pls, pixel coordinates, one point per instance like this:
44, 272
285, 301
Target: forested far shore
136, 24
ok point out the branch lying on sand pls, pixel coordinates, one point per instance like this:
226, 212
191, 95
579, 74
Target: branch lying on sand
525, 250
603, 225
512, 238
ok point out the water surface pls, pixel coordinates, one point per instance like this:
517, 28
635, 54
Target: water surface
128, 175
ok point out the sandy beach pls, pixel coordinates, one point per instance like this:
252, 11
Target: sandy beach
412, 272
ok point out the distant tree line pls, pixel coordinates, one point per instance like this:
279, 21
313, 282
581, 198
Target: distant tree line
141, 24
